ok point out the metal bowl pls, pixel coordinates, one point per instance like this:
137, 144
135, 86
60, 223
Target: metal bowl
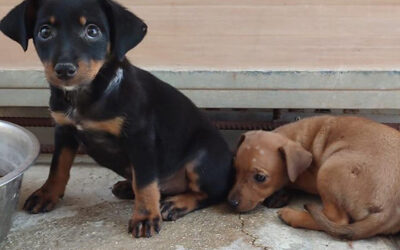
19, 148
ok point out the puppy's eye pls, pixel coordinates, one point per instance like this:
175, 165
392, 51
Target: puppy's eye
259, 177
93, 32
45, 32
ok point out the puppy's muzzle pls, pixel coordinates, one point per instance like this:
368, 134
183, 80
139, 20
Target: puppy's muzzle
234, 200
234, 203
65, 71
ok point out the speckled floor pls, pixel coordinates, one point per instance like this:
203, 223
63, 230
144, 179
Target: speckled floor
90, 217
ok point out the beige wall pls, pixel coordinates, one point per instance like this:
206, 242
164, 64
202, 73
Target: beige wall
255, 34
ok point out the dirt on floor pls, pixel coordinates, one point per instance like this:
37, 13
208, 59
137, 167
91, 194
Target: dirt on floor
89, 217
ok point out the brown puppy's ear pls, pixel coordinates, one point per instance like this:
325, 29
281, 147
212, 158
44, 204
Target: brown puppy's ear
19, 23
126, 29
297, 159
241, 139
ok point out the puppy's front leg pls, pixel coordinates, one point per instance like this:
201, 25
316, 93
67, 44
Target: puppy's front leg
45, 198
298, 219
146, 217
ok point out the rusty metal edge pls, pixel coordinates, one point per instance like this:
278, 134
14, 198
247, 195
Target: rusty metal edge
222, 125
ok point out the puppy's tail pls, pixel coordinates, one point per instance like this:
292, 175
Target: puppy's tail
362, 229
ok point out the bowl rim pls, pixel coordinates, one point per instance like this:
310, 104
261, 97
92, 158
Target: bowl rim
29, 159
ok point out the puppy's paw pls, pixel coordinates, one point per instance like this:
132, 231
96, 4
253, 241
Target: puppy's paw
311, 206
286, 215
123, 190
278, 199
41, 201
178, 206
147, 226
170, 211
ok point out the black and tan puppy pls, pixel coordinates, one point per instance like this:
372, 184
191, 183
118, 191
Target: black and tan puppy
128, 120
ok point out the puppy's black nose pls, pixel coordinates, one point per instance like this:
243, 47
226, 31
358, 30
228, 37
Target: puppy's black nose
65, 71
234, 203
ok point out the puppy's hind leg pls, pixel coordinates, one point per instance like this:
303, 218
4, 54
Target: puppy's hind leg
123, 190
177, 206
372, 225
209, 177
298, 219
303, 219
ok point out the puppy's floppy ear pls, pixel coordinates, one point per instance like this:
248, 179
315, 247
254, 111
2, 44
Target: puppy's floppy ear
126, 29
297, 159
240, 141
18, 24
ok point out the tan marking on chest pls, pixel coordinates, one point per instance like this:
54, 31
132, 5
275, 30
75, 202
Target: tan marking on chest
61, 119
112, 126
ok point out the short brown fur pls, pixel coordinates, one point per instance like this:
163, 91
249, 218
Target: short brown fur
354, 161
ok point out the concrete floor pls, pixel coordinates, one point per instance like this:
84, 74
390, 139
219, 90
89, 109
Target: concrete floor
89, 217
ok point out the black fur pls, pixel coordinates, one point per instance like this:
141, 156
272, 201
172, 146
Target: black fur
162, 131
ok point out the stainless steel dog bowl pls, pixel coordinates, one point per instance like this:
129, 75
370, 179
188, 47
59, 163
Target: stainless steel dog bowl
18, 150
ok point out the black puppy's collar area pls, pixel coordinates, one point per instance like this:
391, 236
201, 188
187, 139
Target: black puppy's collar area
115, 81
71, 88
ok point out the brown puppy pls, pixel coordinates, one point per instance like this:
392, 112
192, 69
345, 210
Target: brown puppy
352, 163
